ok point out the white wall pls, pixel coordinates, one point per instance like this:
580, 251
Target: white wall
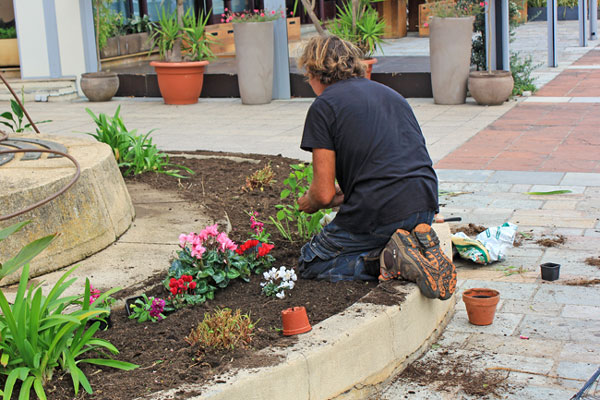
70, 39
31, 34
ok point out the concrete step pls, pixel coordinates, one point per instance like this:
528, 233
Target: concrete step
62, 89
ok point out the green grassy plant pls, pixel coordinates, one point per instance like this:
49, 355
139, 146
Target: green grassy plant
14, 118
135, 154
8, 33
223, 329
521, 69
41, 334
260, 179
361, 26
292, 223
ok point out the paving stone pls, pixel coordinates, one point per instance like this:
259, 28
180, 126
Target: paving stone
504, 324
582, 312
580, 352
577, 370
549, 178
520, 188
577, 295
577, 178
560, 328
518, 204
456, 175
542, 393
560, 205
554, 218
568, 232
536, 348
595, 233
527, 307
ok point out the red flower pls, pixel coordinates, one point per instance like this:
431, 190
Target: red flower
174, 291
246, 246
172, 282
192, 285
187, 278
264, 249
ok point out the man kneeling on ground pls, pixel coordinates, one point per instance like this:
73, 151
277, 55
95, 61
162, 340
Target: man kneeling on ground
366, 136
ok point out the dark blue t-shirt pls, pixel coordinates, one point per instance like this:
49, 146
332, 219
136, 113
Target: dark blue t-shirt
381, 162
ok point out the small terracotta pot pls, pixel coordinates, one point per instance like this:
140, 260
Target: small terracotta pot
481, 305
369, 62
295, 321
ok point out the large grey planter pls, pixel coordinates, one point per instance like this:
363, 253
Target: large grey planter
450, 58
254, 61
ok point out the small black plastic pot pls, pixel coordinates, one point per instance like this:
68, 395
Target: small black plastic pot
550, 271
105, 322
131, 301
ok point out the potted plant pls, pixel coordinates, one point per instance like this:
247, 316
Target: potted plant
490, 87
183, 45
101, 85
451, 29
254, 52
9, 48
359, 23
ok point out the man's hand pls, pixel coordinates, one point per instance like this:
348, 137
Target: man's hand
305, 205
323, 192
338, 198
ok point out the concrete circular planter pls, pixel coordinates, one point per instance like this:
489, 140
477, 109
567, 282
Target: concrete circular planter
99, 86
450, 58
490, 88
180, 82
254, 61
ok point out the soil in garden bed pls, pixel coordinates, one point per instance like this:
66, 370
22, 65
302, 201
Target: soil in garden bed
165, 359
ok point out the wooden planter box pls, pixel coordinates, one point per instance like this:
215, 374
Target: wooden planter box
126, 45
424, 14
9, 53
293, 28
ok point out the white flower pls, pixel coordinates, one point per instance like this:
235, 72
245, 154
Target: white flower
266, 275
263, 284
291, 285
280, 295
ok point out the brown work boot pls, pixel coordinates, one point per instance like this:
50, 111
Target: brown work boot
402, 258
444, 269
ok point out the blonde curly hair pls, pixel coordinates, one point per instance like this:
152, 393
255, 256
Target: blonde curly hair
331, 59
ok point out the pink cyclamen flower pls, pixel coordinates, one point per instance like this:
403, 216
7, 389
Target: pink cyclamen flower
222, 19
272, 12
256, 11
425, 24
262, 14
182, 240
226, 9
213, 230
242, 16
225, 243
482, 4
198, 251
222, 15
291, 13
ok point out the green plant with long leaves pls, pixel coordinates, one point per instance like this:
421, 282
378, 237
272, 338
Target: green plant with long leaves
41, 334
359, 23
165, 34
196, 41
292, 223
8, 33
135, 154
14, 118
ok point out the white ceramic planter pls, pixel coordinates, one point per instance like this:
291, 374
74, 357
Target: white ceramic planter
254, 61
450, 58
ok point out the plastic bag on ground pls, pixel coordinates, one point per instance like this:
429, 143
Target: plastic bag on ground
489, 246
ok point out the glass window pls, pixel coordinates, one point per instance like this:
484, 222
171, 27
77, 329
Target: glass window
154, 7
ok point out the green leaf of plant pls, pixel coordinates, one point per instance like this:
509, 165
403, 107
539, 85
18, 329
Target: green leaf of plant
284, 194
26, 254
6, 232
548, 193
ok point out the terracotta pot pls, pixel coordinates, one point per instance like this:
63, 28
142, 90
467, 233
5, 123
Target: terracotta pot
490, 88
450, 58
295, 321
180, 82
99, 86
550, 271
254, 55
481, 305
370, 62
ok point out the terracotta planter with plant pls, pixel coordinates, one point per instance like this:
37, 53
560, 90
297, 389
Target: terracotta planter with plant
183, 45
359, 23
481, 305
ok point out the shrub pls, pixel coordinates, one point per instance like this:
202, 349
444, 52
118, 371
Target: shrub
521, 70
260, 179
223, 330
135, 154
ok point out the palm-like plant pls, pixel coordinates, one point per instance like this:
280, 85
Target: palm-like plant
359, 23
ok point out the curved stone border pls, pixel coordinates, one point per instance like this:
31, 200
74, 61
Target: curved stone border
346, 356
89, 216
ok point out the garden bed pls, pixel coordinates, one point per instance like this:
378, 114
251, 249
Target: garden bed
165, 359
